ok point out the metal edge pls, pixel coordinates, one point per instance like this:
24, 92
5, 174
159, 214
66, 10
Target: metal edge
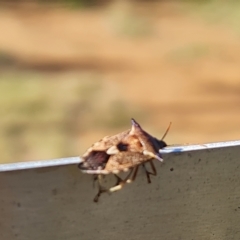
203, 146
75, 160
39, 164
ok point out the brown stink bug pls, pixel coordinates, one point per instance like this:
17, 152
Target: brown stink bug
125, 151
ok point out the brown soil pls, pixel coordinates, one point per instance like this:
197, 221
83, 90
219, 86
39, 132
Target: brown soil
182, 69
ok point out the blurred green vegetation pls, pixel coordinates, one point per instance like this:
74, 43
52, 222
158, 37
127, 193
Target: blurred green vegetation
188, 53
215, 11
127, 22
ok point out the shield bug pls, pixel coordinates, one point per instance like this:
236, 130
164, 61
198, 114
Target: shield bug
125, 151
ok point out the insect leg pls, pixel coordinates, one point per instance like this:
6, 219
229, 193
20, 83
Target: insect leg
121, 182
95, 178
133, 176
127, 179
101, 189
154, 172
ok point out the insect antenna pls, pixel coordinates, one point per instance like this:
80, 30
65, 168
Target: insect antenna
166, 132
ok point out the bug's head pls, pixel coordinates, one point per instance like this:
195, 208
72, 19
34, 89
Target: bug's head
161, 144
156, 143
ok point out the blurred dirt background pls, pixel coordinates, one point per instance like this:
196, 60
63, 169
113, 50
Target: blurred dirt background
71, 73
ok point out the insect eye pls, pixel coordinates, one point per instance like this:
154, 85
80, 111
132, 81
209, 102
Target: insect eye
122, 146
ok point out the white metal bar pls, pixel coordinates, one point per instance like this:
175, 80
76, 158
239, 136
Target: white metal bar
76, 160
38, 164
204, 146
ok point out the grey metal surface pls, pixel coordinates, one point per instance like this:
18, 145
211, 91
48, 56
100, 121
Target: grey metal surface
196, 195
